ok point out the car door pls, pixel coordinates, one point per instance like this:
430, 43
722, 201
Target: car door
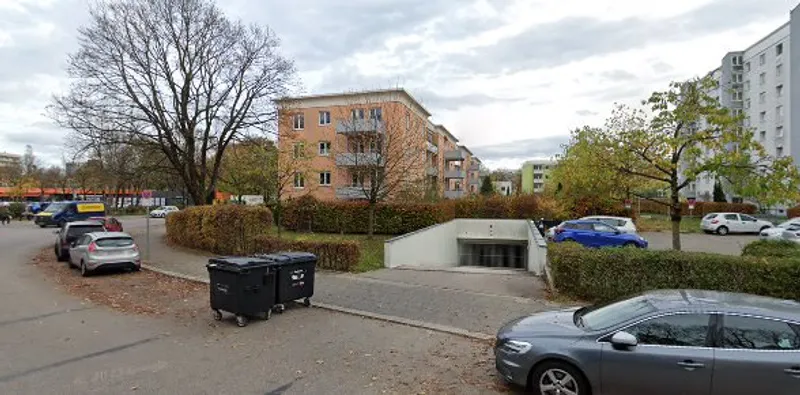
76, 250
757, 356
749, 224
605, 236
583, 233
672, 357
734, 223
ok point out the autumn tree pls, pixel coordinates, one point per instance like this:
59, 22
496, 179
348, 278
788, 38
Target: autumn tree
685, 133
177, 76
249, 168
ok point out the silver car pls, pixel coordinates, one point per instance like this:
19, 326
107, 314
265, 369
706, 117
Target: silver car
657, 343
106, 250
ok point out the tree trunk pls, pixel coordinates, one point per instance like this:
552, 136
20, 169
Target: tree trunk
675, 217
371, 226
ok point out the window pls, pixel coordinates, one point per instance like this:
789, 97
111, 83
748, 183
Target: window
732, 217
736, 95
537, 167
358, 180
747, 86
325, 178
779, 49
299, 180
299, 150
299, 122
762, 97
746, 217
758, 334
324, 118
779, 90
537, 176
779, 112
324, 148
762, 59
736, 112
779, 131
376, 114
605, 316
779, 151
408, 119
778, 70
762, 135
747, 67
686, 330
357, 113
762, 78
762, 116
737, 78
603, 228
747, 104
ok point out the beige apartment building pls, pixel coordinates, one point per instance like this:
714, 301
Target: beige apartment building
364, 144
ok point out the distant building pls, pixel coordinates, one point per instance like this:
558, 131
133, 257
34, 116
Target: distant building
535, 173
505, 188
9, 159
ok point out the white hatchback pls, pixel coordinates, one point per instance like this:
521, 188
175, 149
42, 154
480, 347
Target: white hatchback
724, 223
623, 224
776, 233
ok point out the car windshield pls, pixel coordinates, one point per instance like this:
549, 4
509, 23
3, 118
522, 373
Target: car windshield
607, 315
115, 242
55, 207
788, 224
83, 229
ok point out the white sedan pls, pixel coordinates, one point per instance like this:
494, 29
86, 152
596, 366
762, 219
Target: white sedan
724, 223
163, 211
776, 233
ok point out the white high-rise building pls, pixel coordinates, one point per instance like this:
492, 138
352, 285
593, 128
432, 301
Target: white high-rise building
757, 82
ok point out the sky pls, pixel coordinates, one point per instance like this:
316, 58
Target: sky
509, 78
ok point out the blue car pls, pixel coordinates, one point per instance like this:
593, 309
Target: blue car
596, 234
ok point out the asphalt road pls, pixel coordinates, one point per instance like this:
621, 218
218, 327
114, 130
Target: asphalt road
54, 343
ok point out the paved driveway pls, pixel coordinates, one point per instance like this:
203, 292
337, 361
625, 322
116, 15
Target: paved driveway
700, 242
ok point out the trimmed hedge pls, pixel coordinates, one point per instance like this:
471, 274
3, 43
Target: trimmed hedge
608, 274
793, 212
224, 229
772, 248
700, 208
331, 255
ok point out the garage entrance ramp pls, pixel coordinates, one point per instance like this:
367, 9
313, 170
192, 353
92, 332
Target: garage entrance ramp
462, 243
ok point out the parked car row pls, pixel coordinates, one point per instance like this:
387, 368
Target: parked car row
788, 230
598, 231
96, 244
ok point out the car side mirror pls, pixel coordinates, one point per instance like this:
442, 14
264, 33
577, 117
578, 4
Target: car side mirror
623, 340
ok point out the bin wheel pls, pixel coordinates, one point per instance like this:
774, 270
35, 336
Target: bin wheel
241, 321
307, 302
279, 308
217, 315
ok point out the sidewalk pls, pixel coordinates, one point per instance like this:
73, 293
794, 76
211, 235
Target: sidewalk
410, 295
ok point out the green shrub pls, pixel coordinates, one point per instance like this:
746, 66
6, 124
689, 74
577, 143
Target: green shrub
772, 248
607, 274
331, 255
16, 209
221, 229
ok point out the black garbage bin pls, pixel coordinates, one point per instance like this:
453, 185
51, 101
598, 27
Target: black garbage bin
294, 277
243, 286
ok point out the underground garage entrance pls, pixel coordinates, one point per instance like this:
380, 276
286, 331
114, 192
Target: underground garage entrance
506, 254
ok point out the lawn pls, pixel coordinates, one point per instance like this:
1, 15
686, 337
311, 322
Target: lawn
662, 223
371, 250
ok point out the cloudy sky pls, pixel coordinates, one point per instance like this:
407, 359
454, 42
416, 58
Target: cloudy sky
509, 78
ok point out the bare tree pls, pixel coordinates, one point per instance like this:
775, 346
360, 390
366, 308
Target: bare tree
176, 75
384, 148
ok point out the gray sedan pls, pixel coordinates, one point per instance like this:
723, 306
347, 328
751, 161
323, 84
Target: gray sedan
658, 343
106, 250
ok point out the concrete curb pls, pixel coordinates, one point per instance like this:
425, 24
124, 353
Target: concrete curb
359, 313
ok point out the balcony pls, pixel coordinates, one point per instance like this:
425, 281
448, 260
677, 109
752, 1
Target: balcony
432, 147
455, 174
360, 126
455, 155
454, 194
359, 159
475, 167
349, 193
432, 171
475, 181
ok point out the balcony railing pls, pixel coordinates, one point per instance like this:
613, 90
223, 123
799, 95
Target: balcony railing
475, 167
432, 171
454, 194
432, 147
356, 192
455, 174
359, 159
360, 126
455, 155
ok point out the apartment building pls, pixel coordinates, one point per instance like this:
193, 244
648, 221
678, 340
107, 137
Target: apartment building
8, 160
757, 82
534, 174
355, 145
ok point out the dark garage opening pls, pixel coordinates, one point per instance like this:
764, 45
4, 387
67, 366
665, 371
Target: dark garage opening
494, 254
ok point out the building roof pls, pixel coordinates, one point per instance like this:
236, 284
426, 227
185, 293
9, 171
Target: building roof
444, 130
400, 91
464, 147
10, 155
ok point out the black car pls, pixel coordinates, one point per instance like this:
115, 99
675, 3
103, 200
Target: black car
70, 232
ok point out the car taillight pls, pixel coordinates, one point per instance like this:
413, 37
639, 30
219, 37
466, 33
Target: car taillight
715, 221
136, 248
92, 247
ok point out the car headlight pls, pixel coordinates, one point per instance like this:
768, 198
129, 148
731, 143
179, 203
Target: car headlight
516, 346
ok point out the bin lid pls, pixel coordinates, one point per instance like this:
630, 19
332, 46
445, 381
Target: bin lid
286, 258
238, 262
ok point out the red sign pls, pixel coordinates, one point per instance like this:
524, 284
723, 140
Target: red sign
691, 203
147, 194
627, 204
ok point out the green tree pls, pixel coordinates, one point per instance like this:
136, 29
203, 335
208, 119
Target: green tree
685, 133
719, 194
486, 186
249, 168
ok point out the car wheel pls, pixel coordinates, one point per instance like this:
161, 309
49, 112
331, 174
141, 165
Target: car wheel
762, 228
722, 230
84, 271
556, 377
630, 244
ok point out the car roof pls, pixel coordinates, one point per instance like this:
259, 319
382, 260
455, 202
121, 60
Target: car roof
83, 223
607, 216
723, 302
585, 221
109, 235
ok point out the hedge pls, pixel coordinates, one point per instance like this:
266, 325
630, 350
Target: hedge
608, 274
772, 248
309, 214
331, 255
700, 208
793, 212
224, 229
